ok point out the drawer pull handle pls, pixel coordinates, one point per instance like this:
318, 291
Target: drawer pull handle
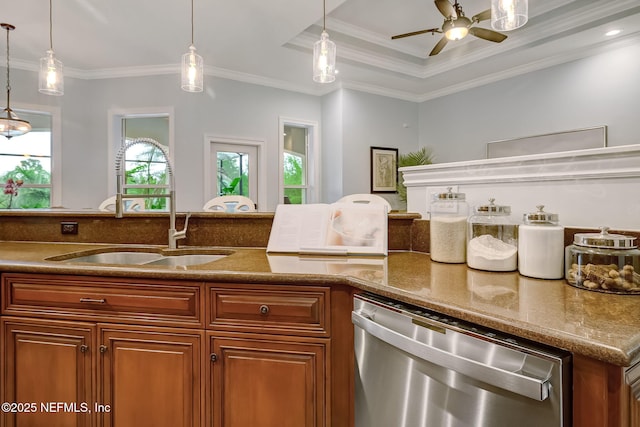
103, 348
93, 300
84, 348
264, 309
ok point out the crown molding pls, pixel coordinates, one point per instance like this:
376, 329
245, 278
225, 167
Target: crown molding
382, 61
541, 64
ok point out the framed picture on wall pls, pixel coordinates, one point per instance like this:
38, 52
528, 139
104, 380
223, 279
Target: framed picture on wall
384, 169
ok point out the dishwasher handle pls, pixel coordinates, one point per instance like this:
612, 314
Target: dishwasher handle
523, 385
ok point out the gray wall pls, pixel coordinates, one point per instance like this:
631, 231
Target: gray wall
374, 121
598, 90
226, 108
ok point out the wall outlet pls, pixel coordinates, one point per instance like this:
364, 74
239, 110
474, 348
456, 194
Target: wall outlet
69, 227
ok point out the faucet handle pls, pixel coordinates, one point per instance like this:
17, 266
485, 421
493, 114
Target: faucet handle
183, 233
186, 221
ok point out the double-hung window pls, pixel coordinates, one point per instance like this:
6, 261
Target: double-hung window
25, 165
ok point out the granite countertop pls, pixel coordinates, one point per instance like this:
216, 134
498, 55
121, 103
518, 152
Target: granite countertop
601, 326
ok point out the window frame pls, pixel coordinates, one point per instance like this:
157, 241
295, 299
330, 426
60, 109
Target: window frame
115, 136
312, 184
208, 170
55, 187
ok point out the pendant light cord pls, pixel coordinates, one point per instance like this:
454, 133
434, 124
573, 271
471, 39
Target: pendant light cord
8, 85
191, 22
324, 15
51, 24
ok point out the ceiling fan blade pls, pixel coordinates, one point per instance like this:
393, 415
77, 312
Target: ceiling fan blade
446, 9
482, 16
415, 33
439, 46
483, 33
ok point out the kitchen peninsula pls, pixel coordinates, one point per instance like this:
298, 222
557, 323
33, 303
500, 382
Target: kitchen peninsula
214, 300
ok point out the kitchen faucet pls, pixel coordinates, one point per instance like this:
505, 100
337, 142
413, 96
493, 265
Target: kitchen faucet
174, 235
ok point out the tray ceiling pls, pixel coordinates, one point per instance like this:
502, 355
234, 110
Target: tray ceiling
270, 42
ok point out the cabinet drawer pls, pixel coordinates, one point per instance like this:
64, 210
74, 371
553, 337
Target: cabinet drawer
270, 308
102, 299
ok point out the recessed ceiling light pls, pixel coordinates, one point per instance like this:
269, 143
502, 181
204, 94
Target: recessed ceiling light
612, 33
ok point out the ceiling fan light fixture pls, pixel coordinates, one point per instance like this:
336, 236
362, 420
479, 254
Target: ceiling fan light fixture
10, 124
507, 15
51, 77
324, 55
192, 70
456, 29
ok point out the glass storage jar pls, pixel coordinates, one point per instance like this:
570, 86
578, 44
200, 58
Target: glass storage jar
448, 227
541, 245
603, 262
492, 243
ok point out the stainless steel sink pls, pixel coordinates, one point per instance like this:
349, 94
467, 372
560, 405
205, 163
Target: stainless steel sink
184, 260
117, 258
170, 258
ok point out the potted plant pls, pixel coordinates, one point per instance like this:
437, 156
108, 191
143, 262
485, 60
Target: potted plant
424, 156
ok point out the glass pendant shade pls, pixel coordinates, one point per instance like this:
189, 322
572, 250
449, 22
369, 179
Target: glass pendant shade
51, 78
324, 59
192, 71
508, 15
11, 125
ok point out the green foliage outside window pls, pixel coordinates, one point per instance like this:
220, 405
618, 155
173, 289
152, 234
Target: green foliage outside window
147, 169
30, 172
230, 179
293, 176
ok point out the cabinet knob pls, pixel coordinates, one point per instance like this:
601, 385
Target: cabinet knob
103, 348
84, 348
264, 309
214, 357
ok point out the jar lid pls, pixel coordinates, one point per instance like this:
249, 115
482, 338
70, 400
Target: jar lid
493, 209
449, 195
604, 240
540, 217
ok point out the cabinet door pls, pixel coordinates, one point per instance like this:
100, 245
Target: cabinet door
150, 377
47, 372
262, 382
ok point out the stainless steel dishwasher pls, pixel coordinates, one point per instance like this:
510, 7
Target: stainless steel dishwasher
417, 368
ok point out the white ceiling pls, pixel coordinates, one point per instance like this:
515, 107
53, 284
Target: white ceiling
270, 42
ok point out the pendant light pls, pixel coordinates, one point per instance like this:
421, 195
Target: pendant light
192, 66
51, 78
10, 124
508, 15
324, 54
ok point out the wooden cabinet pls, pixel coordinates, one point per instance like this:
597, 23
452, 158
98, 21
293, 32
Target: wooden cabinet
277, 309
156, 353
46, 363
150, 377
267, 382
632, 378
128, 376
131, 356
130, 301
269, 351
605, 395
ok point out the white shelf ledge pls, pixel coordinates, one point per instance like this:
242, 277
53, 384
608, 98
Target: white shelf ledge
588, 188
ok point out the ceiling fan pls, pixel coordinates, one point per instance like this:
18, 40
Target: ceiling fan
456, 26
